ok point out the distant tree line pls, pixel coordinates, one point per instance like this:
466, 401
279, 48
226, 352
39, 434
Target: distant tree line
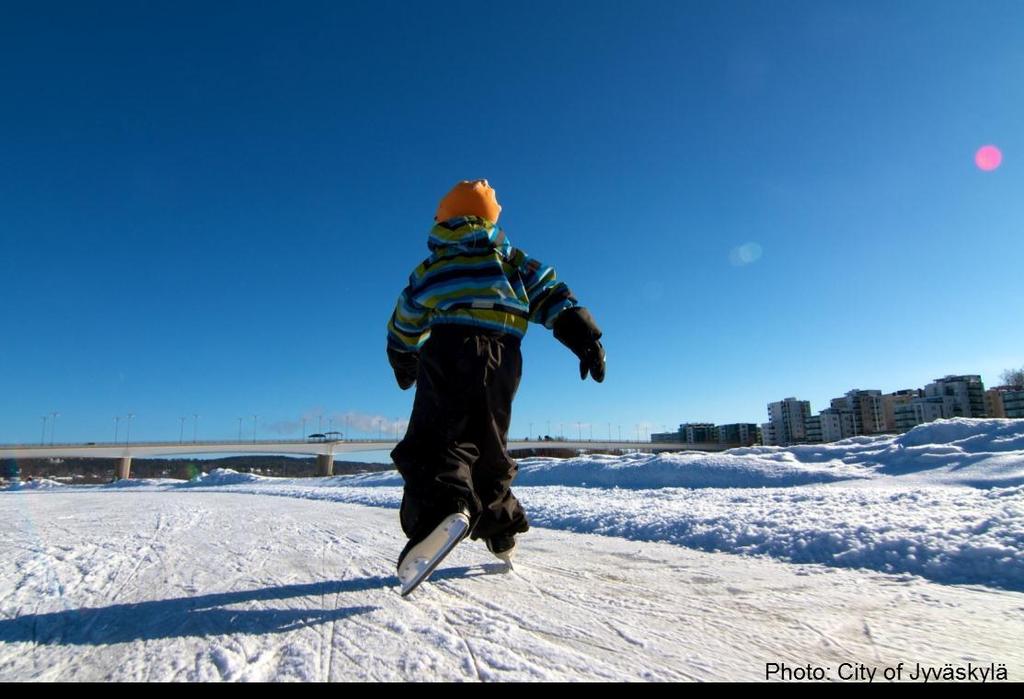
1013, 377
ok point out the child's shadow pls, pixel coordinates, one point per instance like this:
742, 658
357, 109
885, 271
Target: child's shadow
205, 615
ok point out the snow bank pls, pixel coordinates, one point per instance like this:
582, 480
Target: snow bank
142, 483
946, 534
970, 435
682, 470
961, 451
37, 484
227, 476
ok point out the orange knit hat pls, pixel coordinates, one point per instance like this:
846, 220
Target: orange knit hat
467, 198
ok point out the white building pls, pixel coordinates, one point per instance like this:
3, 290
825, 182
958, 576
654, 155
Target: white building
788, 419
837, 423
926, 409
968, 393
812, 425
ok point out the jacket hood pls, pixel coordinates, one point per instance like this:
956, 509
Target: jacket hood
467, 233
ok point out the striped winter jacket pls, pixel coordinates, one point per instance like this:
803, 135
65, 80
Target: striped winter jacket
475, 277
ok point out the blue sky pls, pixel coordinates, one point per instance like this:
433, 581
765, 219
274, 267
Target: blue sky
210, 208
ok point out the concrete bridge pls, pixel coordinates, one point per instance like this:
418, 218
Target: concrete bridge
323, 450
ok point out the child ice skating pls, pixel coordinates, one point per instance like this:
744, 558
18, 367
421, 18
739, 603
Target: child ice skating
455, 333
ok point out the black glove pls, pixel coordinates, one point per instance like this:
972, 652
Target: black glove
575, 328
406, 366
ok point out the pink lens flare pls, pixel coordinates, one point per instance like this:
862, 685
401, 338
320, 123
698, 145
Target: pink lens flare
988, 158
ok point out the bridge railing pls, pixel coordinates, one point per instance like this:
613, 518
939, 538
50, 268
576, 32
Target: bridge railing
362, 440
187, 442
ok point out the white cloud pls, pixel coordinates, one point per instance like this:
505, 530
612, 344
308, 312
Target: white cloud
745, 254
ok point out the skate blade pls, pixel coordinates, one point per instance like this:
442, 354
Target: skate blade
506, 556
421, 561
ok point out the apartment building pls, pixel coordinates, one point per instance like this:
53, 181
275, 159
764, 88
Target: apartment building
698, 432
889, 403
743, 434
926, 409
866, 409
1013, 403
838, 423
968, 393
812, 426
788, 420
1005, 401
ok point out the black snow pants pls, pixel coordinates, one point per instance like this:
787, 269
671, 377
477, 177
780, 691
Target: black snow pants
455, 448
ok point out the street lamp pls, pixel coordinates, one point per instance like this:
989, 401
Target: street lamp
53, 427
239, 429
42, 439
254, 428
128, 438
195, 426
181, 431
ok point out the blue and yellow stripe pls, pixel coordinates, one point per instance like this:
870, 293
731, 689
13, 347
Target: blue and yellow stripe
475, 277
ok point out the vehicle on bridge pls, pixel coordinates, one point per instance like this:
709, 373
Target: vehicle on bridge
325, 437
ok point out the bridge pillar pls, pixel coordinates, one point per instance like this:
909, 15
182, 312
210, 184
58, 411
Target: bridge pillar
325, 464
124, 469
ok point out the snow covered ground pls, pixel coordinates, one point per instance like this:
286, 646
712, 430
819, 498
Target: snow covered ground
872, 551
